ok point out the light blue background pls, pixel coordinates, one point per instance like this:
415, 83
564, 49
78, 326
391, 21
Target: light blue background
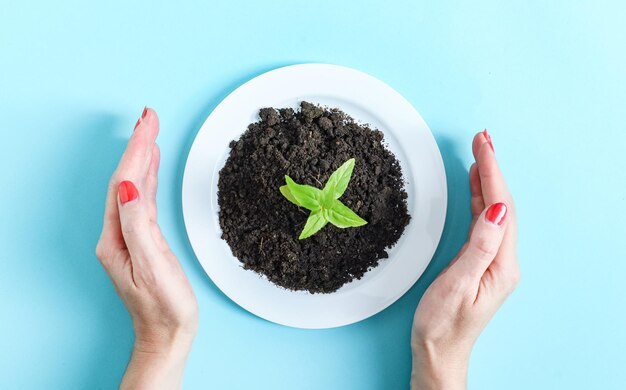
547, 78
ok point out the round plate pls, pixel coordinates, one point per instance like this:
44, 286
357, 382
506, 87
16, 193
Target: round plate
367, 100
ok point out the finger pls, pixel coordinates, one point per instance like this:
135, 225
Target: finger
135, 223
152, 182
130, 165
477, 203
484, 242
479, 140
495, 190
138, 154
476, 192
492, 182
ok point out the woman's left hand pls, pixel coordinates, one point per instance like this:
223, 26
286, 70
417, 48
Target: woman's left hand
146, 274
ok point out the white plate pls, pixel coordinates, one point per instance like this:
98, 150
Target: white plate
366, 99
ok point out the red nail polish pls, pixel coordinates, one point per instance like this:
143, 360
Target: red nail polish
488, 138
144, 113
127, 192
137, 124
496, 213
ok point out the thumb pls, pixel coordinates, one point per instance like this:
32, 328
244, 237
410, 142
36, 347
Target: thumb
135, 221
484, 241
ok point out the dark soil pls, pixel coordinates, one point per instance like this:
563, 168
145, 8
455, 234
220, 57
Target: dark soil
262, 227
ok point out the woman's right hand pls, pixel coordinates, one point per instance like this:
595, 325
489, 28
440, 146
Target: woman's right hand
461, 301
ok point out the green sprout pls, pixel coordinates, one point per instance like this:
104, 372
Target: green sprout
324, 204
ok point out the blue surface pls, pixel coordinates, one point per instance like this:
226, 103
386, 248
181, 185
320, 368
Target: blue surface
547, 79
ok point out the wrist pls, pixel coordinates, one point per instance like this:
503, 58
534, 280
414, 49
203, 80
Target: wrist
157, 361
435, 367
155, 340
174, 350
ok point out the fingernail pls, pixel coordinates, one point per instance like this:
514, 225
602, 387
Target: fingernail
143, 115
127, 192
496, 213
488, 138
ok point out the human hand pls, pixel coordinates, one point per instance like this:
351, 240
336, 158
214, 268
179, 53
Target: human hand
145, 273
461, 301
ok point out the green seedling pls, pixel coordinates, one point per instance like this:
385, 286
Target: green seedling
324, 204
